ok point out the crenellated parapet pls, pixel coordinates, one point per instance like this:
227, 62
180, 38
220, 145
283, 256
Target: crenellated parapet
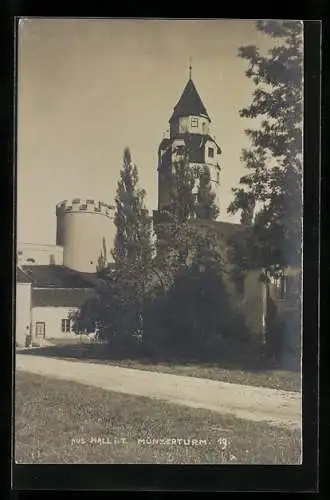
85, 205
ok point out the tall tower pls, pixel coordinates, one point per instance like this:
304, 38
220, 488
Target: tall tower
86, 231
189, 128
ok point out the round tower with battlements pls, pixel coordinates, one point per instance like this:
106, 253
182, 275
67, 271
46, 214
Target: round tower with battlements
86, 231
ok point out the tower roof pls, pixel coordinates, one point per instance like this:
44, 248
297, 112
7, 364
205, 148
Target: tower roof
189, 103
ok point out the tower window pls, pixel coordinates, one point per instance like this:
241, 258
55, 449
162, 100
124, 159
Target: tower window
194, 122
210, 152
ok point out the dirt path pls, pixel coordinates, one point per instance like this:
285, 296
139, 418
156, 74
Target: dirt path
277, 407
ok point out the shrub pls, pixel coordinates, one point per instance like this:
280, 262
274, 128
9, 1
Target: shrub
197, 320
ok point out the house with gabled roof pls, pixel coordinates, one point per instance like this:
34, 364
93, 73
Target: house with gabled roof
47, 298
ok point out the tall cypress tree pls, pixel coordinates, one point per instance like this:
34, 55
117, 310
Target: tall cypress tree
133, 249
206, 207
132, 220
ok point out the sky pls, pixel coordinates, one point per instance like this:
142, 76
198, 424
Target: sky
88, 88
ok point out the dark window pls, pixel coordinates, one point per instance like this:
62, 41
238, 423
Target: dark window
180, 150
293, 286
65, 325
20, 252
281, 287
218, 177
194, 122
211, 152
30, 259
287, 287
240, 285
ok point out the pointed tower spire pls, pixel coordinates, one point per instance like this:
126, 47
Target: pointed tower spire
190, 67
190, 103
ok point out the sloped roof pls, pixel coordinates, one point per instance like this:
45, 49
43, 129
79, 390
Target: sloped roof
54, 277
21, 277
189, 103
196, 141
61, 297
225, 230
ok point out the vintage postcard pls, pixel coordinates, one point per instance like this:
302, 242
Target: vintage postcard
159, 241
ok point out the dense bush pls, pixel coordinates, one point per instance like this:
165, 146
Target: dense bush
196, 320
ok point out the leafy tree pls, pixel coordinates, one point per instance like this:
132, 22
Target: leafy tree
270, 193
87, 318
205, 206
199, 315
179, 235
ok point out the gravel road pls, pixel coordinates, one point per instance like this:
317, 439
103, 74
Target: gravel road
279, 408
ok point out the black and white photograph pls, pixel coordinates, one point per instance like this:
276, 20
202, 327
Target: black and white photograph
159, 215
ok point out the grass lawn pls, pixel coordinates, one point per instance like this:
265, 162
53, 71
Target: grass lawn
65, 422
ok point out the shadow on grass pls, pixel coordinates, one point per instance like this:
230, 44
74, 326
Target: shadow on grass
225, 370
103, 353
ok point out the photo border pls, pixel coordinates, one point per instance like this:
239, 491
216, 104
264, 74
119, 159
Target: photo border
204, 477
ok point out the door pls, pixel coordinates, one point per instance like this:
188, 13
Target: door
40, 330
